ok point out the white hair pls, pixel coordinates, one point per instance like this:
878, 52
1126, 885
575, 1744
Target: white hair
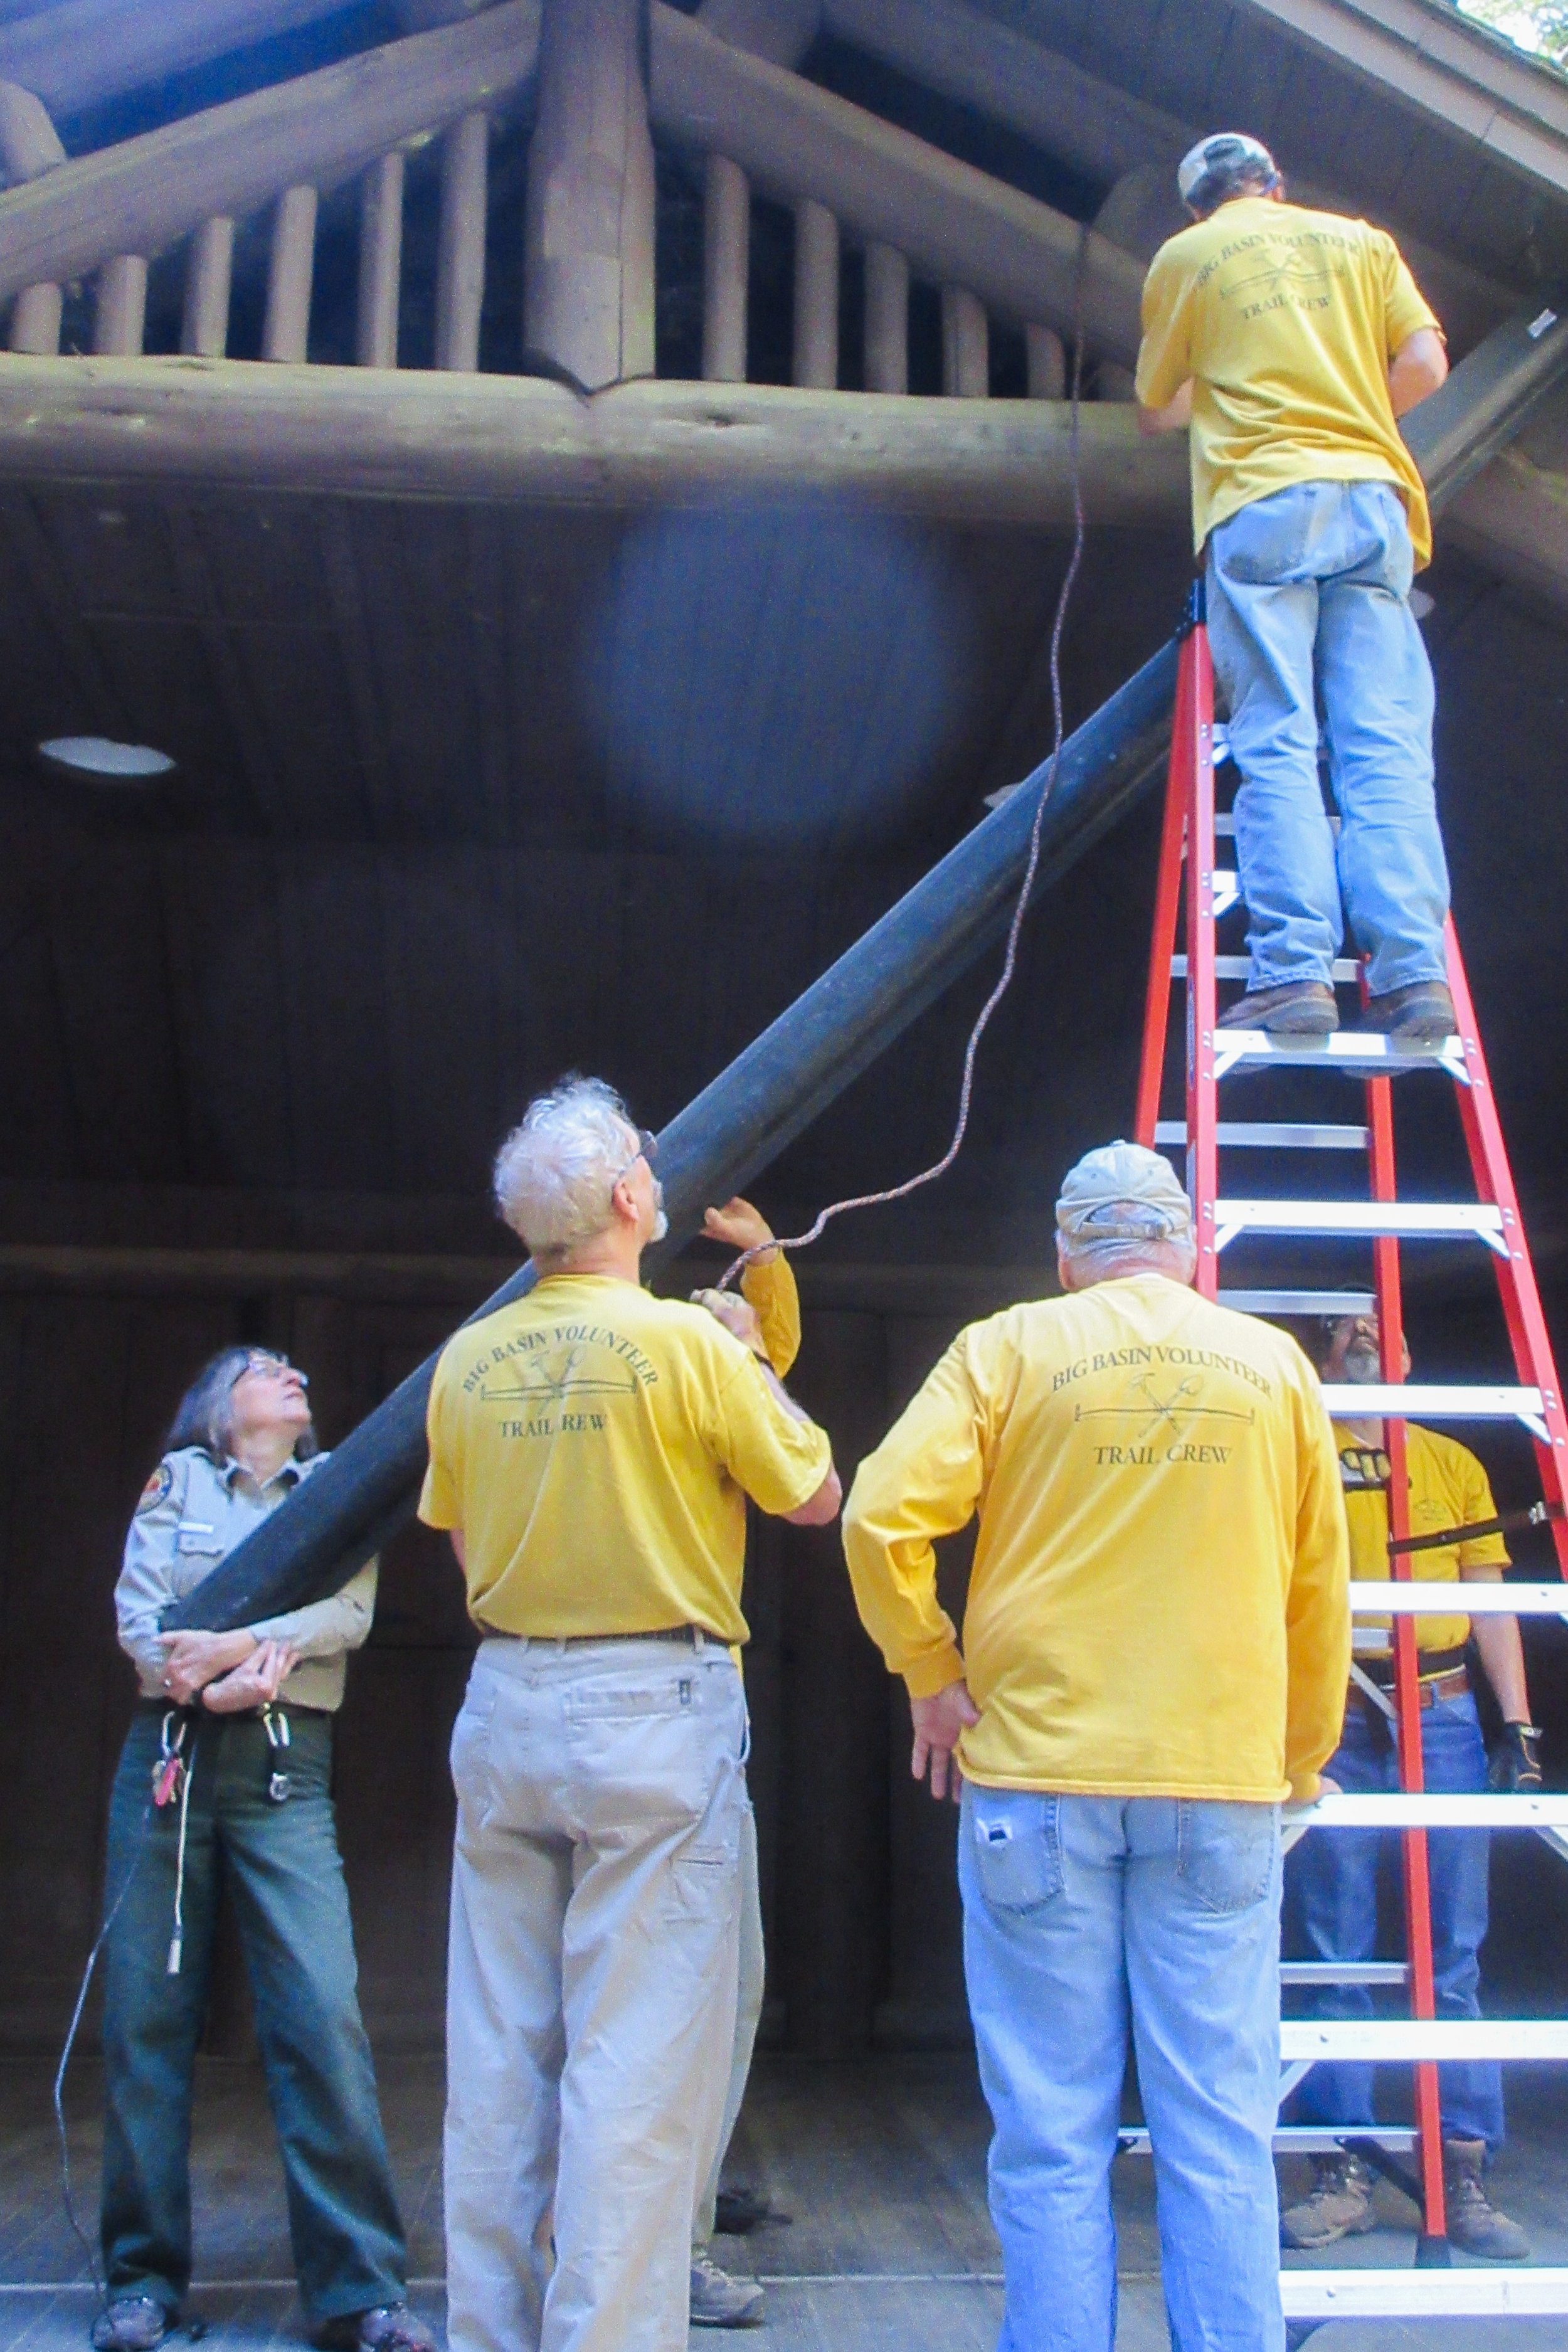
1106, 1257
557, 1169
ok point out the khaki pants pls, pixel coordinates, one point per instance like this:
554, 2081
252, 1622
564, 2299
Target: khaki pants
591, 1987
748, 2017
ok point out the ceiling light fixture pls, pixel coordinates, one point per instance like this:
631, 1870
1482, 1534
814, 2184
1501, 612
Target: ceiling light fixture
96, 756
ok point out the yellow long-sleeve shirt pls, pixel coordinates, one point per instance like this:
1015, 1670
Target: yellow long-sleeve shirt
1159, 1603
768, 1284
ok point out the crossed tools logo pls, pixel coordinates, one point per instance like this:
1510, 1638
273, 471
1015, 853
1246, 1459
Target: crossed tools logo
551, 1379
1173, 1414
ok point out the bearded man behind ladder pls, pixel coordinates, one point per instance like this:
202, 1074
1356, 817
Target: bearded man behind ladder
1156, 1648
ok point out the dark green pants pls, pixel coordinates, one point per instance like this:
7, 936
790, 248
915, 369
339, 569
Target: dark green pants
280, 1862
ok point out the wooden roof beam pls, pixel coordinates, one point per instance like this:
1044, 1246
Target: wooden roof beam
318, 128
1098, 129
956, 224
1433, 61
520, 439
78, 54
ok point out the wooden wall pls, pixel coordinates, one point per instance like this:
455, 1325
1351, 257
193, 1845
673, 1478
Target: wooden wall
854, 1868
857, 1864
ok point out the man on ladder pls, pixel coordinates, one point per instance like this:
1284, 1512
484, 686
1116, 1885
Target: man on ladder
1290, 341
1334, 1875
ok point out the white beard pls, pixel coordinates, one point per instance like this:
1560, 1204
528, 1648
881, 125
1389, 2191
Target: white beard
660, 1227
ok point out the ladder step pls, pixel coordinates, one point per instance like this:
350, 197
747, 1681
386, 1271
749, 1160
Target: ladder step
1409, 1219
1293, 2139
1360, 1054
1344, 1972
1226, 890
1300, 1302
1400, 1809
1416, 1401
1414, 1600
1523, 2291
1227, 967
1266, 1135
1403, 2040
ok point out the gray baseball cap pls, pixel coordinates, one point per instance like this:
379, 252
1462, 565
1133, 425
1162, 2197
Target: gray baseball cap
1123, 1192
1218, 162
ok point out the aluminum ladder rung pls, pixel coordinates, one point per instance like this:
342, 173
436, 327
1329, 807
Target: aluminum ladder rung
1228, 967
1344, 1972
1401, 1809
1358, 1053
1269, 1135
1300, 1302
1409, 1219
1403, 2040
1480, 2294
1419, 1401
1414, 1600
1292, 2139
1226, 889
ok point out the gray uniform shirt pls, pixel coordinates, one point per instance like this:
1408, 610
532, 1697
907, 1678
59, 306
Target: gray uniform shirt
191, 1514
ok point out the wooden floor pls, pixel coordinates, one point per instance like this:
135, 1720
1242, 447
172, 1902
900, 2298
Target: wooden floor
881, 2166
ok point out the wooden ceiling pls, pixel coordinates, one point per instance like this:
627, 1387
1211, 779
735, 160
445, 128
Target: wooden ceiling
471, 790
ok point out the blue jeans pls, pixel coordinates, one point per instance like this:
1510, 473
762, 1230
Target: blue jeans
1333, 1874
1308, 600
1083, 1916
282, 1867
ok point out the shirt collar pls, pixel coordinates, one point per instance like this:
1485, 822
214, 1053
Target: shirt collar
290, 1475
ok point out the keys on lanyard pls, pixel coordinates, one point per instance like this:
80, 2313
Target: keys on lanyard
168, 1770
274, 1722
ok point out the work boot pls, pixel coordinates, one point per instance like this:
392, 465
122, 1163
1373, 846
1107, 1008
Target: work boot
719, 2301
131, 2322
1340, 2205
1474, 2225
1299, 1008
1423, 1014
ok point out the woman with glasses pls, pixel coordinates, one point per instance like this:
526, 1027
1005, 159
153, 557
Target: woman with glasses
226, 1778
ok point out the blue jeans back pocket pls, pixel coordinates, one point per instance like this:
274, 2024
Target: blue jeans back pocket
1225, 1852
1017, 1846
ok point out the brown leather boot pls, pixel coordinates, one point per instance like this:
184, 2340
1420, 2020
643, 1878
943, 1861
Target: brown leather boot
1474, 2222
1297, 1008
1423, 1014
1338, 2207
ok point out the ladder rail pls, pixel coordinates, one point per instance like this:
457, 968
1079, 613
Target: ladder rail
1192, 758
1521, 1308
1415, 1871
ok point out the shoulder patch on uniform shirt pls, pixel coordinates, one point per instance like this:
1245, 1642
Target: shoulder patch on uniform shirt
157, 1487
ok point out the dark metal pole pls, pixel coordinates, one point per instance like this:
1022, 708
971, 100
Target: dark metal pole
845, 1019
736, 1126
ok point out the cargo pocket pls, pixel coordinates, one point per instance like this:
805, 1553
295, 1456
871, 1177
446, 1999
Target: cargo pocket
1017, 1846
1225, 1852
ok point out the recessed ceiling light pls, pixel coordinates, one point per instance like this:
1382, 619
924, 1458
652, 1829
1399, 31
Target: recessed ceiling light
96, 755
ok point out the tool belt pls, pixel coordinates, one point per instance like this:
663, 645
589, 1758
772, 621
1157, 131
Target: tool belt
1442, 1675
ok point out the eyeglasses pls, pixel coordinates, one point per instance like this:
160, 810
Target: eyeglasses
648, 1149
267, 1367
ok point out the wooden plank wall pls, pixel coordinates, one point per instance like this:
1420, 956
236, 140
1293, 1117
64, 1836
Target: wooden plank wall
86, 1385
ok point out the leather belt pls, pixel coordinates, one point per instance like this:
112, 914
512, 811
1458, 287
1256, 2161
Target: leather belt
694, 1637
1433, 1687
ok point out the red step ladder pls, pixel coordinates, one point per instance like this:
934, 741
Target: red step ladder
1213, 1055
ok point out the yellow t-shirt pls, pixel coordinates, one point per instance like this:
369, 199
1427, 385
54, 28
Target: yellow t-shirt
1158, 1605
596, 1445
769, 1285
1286, 320
1448, 1488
